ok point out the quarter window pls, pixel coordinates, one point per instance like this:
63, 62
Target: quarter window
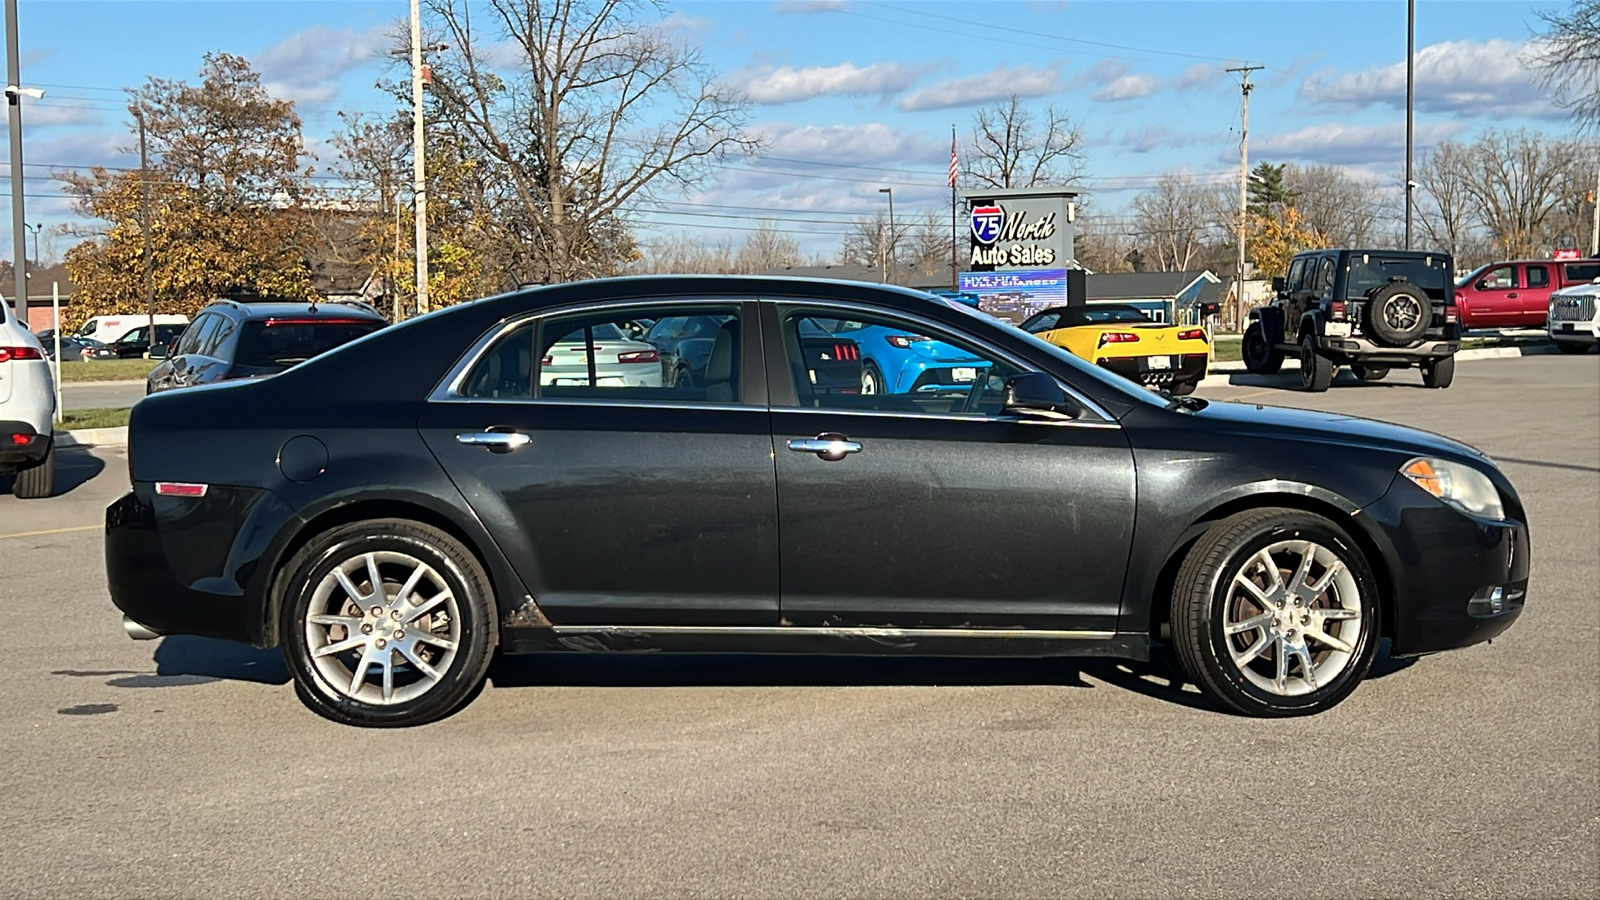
1325, 274
848, 362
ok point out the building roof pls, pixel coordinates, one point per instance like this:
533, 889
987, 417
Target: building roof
39, 282
1005, 193
1154, 286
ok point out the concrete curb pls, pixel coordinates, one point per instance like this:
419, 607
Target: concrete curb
1235, 367
67, 385
93, 437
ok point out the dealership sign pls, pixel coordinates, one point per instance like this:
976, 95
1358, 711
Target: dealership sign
1019, 230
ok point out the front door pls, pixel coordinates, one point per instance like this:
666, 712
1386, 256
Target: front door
1493, 300
619, 497
931, 509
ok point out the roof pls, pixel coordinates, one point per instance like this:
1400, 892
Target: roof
269, 309
39, 283
1152, 286
1004, 193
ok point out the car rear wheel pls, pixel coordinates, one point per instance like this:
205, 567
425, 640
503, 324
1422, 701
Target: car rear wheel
38, 481
1260, 357
1439, 373
387, 623
1316, 371
1275, 613
871, 380
1369, 373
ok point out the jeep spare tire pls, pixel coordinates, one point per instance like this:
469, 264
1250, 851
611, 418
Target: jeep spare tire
1398, 314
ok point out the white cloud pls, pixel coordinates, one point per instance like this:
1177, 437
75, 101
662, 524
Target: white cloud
65, 112
307, 65
872, 142
1465, 77
1342, 144
791, 85
1160, 137
1024, 81
1198, 77
1128, 87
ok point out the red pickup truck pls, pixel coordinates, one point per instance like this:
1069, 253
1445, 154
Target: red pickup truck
1516, 294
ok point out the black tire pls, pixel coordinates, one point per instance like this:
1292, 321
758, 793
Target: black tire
38, 481
872, 380
1572, 347
1206, 598
1398, 314
681, 377
1316, 370
1260, 358
1439, 373
1369, 373
1182, 388
453, 568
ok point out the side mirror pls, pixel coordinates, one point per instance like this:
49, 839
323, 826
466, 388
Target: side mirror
1279, 285
1482, 285
1035, 393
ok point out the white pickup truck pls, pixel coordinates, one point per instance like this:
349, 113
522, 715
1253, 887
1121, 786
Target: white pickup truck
1573, 321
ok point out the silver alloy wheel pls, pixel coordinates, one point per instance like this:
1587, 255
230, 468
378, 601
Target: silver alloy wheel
1293, 618
1402, 312
383, 628
869, 381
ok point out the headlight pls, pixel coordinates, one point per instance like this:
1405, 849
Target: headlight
1459, 485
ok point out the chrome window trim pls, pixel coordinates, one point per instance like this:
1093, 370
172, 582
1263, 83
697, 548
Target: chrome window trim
1012, 358
943, 417
449, 388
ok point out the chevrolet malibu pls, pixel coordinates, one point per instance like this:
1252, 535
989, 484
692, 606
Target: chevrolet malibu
394, 512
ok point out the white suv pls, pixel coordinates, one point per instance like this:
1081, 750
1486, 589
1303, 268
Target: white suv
27, 410
1573, 322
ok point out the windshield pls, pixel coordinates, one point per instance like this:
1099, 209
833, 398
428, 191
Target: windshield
1371, 270
280, 343
1470, 277
1105, 315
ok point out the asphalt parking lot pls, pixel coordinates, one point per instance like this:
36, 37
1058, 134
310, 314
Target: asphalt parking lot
185, 767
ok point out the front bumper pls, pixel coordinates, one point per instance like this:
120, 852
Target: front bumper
1456, 580
1188, 368
1582, 332
185, 565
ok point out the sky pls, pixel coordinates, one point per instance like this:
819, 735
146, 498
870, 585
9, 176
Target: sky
855, 95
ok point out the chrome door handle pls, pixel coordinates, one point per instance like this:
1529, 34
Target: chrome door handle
498, 441
831, 447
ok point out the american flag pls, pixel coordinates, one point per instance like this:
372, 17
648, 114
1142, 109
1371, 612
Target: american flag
954, 166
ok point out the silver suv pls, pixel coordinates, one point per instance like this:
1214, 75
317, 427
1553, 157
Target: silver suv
27, 410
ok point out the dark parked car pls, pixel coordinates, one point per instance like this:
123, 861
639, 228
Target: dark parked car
133, 345
237, 339
392, 512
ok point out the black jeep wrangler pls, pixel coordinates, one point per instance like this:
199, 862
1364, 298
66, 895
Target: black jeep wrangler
1371, 310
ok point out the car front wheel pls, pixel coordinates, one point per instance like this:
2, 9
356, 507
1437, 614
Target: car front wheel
1275, 613
387, 623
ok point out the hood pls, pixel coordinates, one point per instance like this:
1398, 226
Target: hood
1335, 428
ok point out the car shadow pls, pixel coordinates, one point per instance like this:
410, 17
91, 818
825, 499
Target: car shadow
204, 658
75, 467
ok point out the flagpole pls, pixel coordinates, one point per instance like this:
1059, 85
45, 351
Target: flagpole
955, 279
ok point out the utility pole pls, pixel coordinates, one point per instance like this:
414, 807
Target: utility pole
419, 168
1411, 58
1594, 232
888, 250
19, 235
144, 220
1244, 177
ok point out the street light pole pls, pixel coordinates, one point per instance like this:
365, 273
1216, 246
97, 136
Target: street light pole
144, 220
888, 253
419, 167
19, 223
1411, 54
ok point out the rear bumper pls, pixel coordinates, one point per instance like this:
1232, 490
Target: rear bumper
1457, 580
21, 444
1188, 368
180, 565
1359, 349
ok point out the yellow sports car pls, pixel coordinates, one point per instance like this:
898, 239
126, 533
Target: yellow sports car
1129, 343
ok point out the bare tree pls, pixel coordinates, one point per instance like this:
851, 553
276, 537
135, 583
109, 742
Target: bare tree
1170, 223
924, 245
685, 253
867, 242
580, 108
1517, 179
1567, 58
1101, 244
1010, 150
1447, 212
1333, 204
766, 248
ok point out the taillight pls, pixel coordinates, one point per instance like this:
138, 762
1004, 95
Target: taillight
1336, 310
10, 353
1192, 334
1118, 337
180, 489
847, 351
21, 440
545, 361
904, 340
1451, 314
639, 356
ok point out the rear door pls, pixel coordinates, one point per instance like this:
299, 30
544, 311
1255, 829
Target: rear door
1535, 303
640, 502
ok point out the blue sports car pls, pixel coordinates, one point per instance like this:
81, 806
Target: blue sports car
894, 361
